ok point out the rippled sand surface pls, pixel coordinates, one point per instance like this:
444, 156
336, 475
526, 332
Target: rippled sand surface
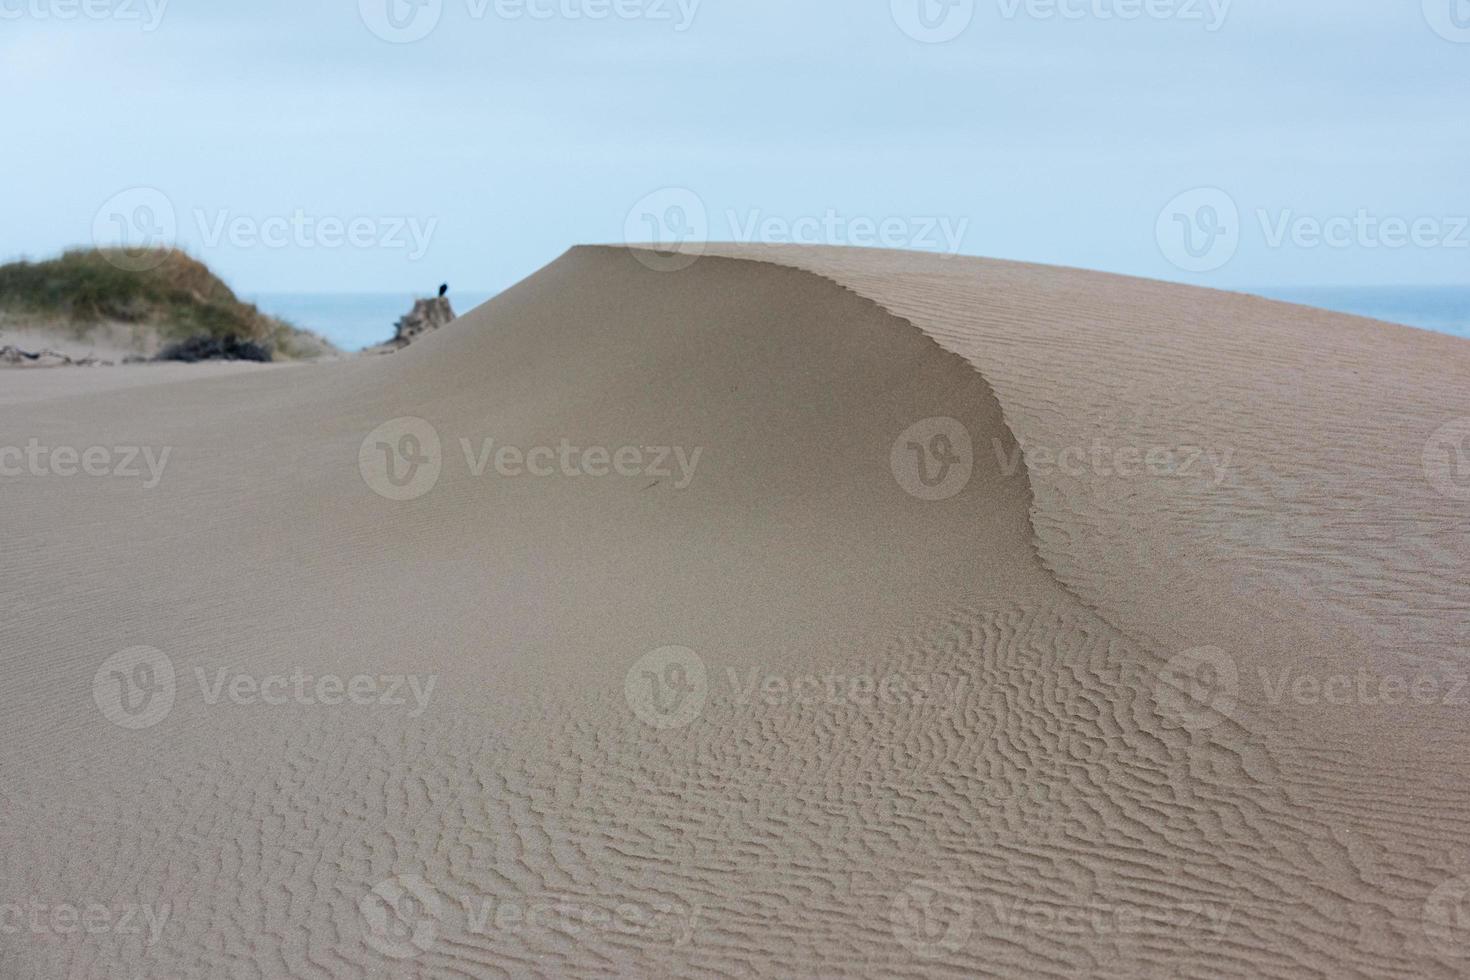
789, 612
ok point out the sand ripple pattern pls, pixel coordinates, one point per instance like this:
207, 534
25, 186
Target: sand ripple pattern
1040, 811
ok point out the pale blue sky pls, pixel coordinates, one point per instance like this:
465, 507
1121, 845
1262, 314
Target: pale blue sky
503, 139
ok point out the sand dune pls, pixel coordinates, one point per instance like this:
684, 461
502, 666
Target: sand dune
808, 613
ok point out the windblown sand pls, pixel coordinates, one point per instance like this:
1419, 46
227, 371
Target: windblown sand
905, 616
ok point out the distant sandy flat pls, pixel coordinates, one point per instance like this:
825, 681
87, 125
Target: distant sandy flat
780, 612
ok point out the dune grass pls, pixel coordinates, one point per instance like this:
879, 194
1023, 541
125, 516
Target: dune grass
165, 291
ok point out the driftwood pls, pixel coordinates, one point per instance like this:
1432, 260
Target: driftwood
45, 358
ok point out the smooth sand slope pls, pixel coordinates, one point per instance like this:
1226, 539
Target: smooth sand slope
781, 677
30, 384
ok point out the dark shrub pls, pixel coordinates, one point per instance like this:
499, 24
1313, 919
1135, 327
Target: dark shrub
203, 347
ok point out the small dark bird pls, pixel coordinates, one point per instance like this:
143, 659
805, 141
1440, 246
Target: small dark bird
444, 289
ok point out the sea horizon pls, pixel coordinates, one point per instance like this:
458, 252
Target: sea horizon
1442, 309
355, 320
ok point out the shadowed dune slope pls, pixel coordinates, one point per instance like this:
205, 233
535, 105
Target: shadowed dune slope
1309, 498
901, 737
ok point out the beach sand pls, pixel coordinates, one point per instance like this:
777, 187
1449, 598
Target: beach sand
878, 614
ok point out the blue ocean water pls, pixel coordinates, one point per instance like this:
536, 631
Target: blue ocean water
353, 321
1445, 309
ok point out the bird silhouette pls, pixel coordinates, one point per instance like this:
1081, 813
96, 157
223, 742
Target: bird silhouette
443, 289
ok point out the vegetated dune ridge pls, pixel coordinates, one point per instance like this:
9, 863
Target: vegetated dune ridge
1055, 806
